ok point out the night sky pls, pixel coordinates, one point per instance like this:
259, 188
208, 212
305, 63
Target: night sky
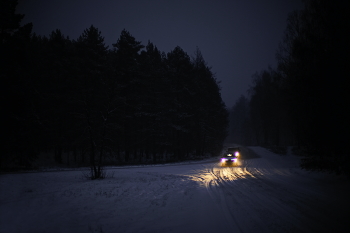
237, 37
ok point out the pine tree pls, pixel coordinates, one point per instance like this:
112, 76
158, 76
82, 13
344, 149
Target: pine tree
128, 74
94, 97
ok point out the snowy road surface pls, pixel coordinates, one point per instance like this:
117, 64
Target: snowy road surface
265, 193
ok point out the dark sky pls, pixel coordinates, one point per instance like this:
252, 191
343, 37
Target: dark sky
236, 37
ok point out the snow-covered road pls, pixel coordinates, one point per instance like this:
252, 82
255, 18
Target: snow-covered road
265, 193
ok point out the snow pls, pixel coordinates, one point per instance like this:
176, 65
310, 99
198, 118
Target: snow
265, 193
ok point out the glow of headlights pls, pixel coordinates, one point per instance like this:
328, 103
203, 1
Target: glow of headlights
223, 160
236, 153
234, 160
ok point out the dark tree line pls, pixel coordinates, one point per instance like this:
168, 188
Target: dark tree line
87, 104
304, 102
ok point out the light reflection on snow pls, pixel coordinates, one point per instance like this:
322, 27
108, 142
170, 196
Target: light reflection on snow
215, 175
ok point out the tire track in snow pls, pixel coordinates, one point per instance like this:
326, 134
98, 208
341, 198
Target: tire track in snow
264, 201
245, 202
217, 194
285, 188
253, 202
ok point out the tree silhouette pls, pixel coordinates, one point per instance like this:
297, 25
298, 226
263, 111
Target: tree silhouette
129, 104
304, 101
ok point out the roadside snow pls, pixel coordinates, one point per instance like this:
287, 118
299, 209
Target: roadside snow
268, 193
133, 200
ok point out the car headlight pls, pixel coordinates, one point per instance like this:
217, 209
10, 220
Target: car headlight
236, 153
223, 160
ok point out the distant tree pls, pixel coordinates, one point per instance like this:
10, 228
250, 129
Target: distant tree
127, 66
240, 124
210, 113
94, 96
265, 107
153, 104
55, 88
179, 70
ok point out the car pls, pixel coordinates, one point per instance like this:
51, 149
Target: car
229, 159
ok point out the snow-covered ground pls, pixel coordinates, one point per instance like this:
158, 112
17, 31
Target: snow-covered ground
265, 193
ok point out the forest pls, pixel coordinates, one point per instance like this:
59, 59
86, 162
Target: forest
78, 102
304, 102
